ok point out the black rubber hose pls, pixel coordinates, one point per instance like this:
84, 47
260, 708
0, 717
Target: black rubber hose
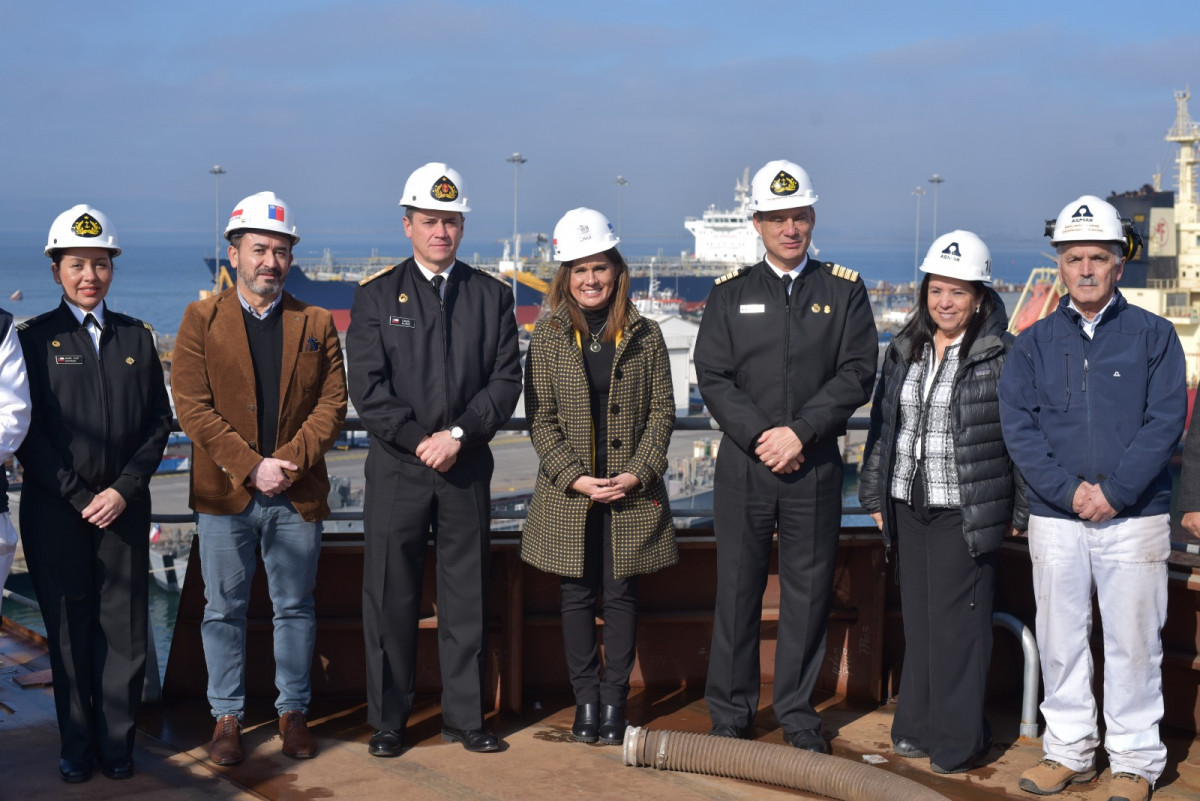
769, 763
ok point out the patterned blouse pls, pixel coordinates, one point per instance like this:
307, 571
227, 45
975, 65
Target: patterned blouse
925, 440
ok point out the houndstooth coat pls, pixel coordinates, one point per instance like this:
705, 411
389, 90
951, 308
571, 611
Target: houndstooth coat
641, 415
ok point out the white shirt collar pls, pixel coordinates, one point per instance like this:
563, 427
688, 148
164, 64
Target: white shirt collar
795, 271
1089, 326
80, 314
429, 274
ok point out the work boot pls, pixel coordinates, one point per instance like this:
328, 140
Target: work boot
1049, 777
1128, 787
226, 745
298, 741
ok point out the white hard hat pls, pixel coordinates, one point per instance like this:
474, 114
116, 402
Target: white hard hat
82, 226
959, 254
435, 186
262, 211
1087, 219
582, 232
781, 184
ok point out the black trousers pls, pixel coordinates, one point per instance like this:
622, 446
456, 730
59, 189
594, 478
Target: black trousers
92, 586
946, 597
750, 503
406, 503
579, 618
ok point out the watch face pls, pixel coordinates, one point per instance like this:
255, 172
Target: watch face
456, 432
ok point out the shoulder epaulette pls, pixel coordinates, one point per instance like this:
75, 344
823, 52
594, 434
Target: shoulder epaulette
373, 276
491, 274
132, 320
843, 272
24, 324
732, 274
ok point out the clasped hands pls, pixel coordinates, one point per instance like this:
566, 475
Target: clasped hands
606, 490
439, 451
1091, 505
780, 449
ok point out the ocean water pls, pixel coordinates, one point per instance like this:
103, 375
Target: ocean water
156, 282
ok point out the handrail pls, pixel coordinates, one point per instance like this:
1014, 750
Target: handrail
685, 423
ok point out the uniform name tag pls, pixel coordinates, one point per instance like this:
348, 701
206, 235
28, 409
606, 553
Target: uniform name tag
68, 360
752, 308
403, 322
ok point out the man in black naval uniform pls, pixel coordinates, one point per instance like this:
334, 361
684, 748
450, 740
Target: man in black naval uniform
785, 354
434, 372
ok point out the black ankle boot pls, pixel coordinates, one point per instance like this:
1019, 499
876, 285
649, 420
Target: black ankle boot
587, 720
612, 724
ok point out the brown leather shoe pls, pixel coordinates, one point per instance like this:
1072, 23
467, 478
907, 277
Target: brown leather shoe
298, 742
226, 745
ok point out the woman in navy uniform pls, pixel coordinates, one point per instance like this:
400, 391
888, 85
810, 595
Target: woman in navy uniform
101, 418
600, 407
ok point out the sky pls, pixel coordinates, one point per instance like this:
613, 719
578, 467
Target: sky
1019, 106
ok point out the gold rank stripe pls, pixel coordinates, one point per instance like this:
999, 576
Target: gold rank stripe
371, 278
844, 272
729, 276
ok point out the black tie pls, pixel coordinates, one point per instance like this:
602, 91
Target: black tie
437, 282
90, 321
787, 286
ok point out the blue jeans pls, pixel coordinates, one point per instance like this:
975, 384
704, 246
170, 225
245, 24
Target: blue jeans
290, 549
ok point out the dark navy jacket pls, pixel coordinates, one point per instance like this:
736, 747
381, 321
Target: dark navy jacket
1108, 410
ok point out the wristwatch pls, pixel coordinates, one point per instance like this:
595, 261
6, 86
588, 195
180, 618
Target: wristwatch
458, 435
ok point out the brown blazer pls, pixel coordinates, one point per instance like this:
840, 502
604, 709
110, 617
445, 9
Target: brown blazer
212, 379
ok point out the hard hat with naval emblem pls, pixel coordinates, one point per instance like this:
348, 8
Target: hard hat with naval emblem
959, 254
82, 226
781, 184
582, 232
263, 211
437, 187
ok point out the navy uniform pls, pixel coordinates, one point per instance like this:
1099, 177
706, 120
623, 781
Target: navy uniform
765, 358
100, 420
420, 364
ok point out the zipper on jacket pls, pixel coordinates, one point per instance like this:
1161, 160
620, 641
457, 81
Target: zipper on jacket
1067, 380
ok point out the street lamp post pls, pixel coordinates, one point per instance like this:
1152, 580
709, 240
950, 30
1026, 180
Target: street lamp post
937, 181
919, 192
620, 181
516, 159
217, 172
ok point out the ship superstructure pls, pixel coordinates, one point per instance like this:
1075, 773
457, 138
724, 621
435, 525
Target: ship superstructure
1174, 233
727, 236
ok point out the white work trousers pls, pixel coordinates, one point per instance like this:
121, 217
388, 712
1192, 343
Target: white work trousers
1124, 562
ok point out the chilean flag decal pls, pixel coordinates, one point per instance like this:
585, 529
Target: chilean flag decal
275, 213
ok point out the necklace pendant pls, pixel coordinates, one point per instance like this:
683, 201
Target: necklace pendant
594, 347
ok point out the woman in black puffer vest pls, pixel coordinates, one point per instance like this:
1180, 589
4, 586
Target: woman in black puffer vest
938, 482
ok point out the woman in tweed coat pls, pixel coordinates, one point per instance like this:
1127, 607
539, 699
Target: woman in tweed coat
600, 406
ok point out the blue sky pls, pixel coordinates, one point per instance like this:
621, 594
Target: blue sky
1020, 106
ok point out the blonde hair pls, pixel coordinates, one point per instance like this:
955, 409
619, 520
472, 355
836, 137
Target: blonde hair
618, 306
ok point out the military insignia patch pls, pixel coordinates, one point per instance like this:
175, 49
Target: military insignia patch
403, 297
827, 308
784, 184
54, 343
87, 226
444, 190
129, 360
816, 307
729, 276
375, 275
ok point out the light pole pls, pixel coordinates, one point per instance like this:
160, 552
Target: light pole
937, 181
217, 172
620, 182
920, 193
516, 159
